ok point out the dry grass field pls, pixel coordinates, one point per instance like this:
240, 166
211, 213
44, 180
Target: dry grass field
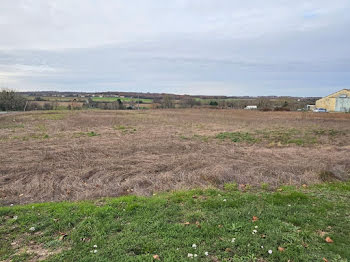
74, 155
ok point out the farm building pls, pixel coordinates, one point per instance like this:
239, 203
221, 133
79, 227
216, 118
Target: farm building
336, 102
310, 107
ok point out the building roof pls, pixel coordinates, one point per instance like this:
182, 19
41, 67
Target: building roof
345, 89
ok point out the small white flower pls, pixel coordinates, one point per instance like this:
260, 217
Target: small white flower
289, 205
195, 255
190, 255
95, 251
262, 246
254, 231
270, 251
11, 205
15, 217
95, 246
233, 240
224, 200
194, 246
256, 227
206, 253
32, 229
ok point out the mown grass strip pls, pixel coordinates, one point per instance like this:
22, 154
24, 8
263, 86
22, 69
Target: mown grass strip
206, 225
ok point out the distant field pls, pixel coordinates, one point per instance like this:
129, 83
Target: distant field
128, 99
207, 100
74, 155
97, 99
59, 99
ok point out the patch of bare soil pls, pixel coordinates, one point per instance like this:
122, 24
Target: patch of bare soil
36, 252
92, 154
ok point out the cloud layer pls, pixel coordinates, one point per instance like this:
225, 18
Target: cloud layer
182, 46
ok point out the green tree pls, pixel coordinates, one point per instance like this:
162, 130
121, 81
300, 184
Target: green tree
11, 101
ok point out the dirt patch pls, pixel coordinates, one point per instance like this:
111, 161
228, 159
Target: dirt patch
166, 150
35, 251
38, 252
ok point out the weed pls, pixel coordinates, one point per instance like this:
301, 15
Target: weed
237, 137
92, 133
41, 127
265, 186
329, 132
119, 127
125, 129
89, 134
202, 138
11, 126
231, 186
248, 187
31, 136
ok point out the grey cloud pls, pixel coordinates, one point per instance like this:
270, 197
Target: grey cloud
187, 46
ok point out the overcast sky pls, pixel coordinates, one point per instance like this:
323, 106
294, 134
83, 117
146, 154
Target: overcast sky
209, 47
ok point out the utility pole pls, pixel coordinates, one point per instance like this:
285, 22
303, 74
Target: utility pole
138, 101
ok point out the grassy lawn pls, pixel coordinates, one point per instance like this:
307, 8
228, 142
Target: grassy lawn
291, 224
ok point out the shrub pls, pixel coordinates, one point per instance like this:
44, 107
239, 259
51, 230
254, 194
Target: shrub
281, 109
34, 106
47, 106
38, 98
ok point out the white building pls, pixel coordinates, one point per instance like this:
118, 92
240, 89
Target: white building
251, 107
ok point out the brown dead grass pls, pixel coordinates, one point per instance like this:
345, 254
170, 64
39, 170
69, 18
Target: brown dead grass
142, 152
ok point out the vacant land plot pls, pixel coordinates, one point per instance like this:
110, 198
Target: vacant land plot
64, 155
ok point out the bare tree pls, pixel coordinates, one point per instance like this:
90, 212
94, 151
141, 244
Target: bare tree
167, 102
190, 102
264, 103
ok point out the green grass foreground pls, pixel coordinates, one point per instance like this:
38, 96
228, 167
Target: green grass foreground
293, 223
